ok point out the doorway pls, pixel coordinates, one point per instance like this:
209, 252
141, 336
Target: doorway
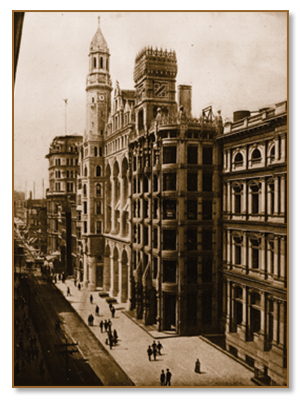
169, 312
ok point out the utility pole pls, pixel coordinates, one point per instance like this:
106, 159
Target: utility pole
67, 351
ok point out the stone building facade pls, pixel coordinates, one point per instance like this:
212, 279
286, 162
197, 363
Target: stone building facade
63, 170
36, 223
254, 183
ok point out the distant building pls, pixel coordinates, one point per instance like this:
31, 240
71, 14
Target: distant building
36, 223
255, 240
19, 209
63, 170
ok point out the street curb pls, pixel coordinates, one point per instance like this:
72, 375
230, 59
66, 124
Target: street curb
227, 353
105, 350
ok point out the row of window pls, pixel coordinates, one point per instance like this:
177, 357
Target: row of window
98, 207
69, 161
98, 228
169, 238
170, 209
170, 155
70, 187
69, 174
98, 190
100, 63
98, 171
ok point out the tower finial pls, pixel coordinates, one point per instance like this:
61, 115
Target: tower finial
99, 21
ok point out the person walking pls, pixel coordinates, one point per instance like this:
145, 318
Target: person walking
75, 281
109, 324
110, 306
113, 310
154, 351
105, 325
162, 378
110, 339
159, 347
101, 325
115, 336
97, 310
197, 367
91, 299
149, 352
154, 345
168, 377
68, 291
79, 286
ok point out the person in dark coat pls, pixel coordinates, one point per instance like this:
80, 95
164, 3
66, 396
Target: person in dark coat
101, 326
110, 306
168, 378
159, 347
68, 291
154, 351
91, 299
105, 325
79, 286
109, 324
154, 345
162, 378
97, 310
110, 339
113, 310
197, 367
115, 336
149, 352
75, 281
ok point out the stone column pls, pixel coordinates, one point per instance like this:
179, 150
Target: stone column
262, 314
229, 299
262, 266
92, 273
224, 160
276, 149
111, 274
245, 302
229, 249
244, 197
276, 195
283, 148
275, 322
282, 194
106, 273
282, 258
224, 246
233, 310
262, 203
224, 197
245, 251
113, 198
269, 260
276, 246
282, 317
229, 197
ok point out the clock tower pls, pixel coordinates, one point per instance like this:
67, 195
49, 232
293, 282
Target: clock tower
98, 104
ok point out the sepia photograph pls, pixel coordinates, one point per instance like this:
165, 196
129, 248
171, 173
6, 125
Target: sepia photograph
150, 203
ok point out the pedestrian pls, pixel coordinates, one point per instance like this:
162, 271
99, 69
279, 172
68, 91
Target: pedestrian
110, 306
153, 345
154, 351
97, 310
168, 377
79, 286
68, 291
149, 352
162, 378
105, 325
113, 310
159, 347
109, 324
101, 325
75, 281
110, 339
92, 320
197, 367
91, 299
115, 336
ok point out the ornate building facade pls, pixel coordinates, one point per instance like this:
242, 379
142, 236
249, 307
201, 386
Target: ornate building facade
255, 240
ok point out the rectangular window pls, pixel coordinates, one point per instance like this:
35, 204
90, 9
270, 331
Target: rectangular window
155, 238
85, 226
169, 209
207, 268
192, 181
255, 258
192, 155
238, 254
155, 183
207, 210
192, 209
155, 209
169, 155
170, 181
169, 271
206, 239
57, 186
192, 239
98, 227
69, 187
146, 235
146, 184
169, 240
84, 207
192, 270
207, 178
207, 155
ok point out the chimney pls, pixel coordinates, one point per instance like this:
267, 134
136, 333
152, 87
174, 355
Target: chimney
185, 98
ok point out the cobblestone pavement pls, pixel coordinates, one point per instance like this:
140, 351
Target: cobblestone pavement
178, 354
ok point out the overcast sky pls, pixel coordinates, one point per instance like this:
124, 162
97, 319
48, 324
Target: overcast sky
232, 60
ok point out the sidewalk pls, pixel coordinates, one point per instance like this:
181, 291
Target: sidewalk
178, 354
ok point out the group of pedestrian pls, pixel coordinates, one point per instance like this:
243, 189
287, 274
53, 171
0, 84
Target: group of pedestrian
112, 310
154, 349
106, 325
165, 378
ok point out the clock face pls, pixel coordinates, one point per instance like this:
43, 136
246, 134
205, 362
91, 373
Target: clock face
101, 97
160, 89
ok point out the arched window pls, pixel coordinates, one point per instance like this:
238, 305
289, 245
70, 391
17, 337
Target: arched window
100, 151
238, 159
84, 190
98, 190
256, 156
107, 65
95, 62
85, 171
237, 199
95, 151
272, 153
255, 198
98, 171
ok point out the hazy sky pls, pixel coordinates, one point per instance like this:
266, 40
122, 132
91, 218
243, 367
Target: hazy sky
232, 60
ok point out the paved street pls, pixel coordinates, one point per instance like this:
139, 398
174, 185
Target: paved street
178, 354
